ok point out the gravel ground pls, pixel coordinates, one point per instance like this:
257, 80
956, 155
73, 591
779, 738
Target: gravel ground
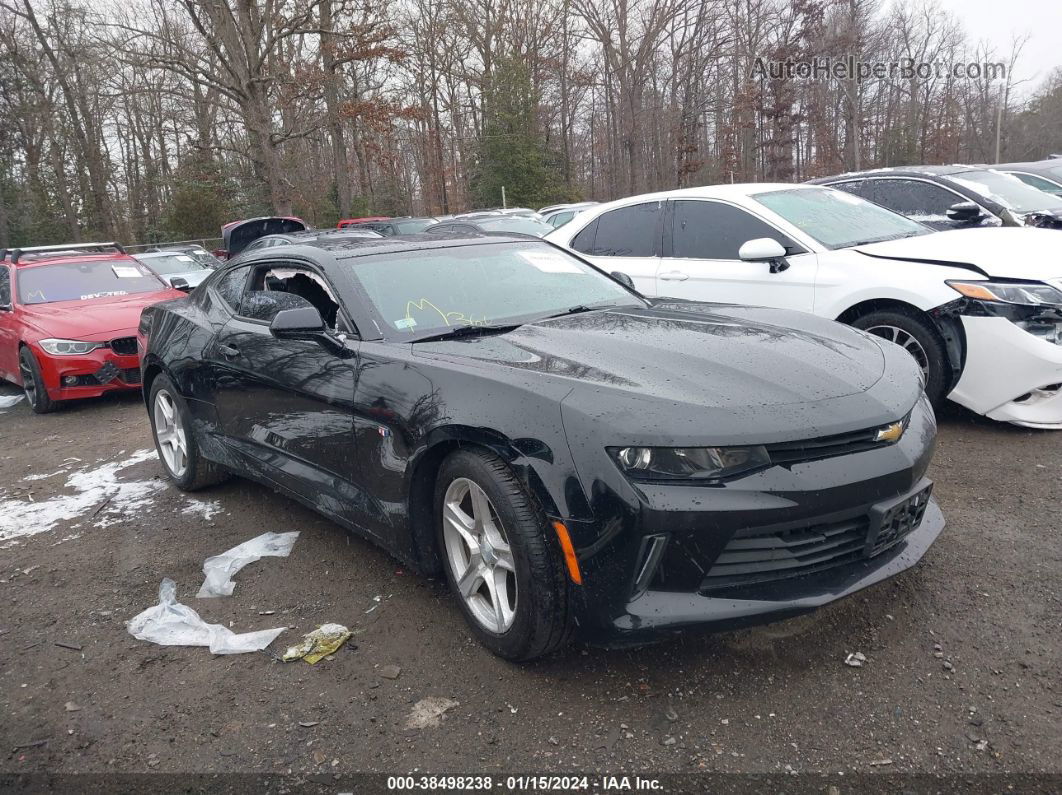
962, 671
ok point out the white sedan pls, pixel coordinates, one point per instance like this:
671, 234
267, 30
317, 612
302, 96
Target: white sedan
979, 309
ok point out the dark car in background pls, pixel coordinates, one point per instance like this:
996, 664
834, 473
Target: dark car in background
570, 455
237, 235
491, 223
953, 197
395, 226
310, 236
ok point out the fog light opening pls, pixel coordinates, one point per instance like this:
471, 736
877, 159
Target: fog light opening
69, 380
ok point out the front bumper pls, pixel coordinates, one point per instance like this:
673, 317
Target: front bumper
100, 371
1010, 375
764, 547
656, 611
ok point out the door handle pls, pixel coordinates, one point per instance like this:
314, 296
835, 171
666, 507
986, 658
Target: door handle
674, 276
228, 351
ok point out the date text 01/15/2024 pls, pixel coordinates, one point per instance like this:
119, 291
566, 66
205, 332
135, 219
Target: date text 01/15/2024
523, 783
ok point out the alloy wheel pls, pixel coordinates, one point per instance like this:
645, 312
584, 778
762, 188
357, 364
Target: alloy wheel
905, 340
173, 446
479, 555
29, 383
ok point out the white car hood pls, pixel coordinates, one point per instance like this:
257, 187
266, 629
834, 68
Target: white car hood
1001, 252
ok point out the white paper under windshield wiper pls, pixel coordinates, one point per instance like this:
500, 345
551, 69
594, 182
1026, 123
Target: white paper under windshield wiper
469, 331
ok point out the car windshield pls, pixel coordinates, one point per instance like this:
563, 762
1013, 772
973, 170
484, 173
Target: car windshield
838, 219
1007, 190
173, 263
426, 291
203, 257
516, 224
80, 281
414, 226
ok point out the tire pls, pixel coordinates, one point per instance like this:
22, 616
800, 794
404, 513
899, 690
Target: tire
188, 471
33, 383
540, 621
920, 339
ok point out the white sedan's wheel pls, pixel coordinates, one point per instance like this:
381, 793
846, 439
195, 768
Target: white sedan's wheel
479, 556
169, 432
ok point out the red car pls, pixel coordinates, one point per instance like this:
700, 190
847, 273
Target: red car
69, 317
343, 224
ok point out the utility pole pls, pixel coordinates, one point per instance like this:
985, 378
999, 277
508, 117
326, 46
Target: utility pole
504, 205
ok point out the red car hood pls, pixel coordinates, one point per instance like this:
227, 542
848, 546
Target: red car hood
94, 319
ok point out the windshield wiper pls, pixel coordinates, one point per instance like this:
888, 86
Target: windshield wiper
469, 331
579, 309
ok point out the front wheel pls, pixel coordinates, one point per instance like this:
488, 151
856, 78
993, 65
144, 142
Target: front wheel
915, 335
33, 383
172, 428
498, 558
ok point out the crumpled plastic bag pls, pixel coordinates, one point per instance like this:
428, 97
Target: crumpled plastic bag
7, 401
170, 623
317, 645
220, 569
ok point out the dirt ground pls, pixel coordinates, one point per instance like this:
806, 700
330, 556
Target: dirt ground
963, 671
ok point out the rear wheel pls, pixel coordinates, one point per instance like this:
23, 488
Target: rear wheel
172, 428
918, 337
33, 383
500, 565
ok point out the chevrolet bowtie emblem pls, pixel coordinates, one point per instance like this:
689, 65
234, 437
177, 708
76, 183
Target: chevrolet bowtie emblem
890, 433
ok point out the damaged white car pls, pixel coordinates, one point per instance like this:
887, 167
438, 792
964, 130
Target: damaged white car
980, 309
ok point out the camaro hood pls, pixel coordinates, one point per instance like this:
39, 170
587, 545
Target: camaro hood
999, 252
683, 366
94, 319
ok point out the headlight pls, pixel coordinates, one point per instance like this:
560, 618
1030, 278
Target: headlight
69, 347
689, 463
1031, 294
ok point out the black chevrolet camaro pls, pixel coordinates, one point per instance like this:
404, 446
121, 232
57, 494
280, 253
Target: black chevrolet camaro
570, 455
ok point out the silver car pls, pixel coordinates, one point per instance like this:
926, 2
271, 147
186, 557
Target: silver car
171, 265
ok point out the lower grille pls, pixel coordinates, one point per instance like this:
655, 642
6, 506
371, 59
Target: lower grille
752, 558
125, 346
755, 557
131, 375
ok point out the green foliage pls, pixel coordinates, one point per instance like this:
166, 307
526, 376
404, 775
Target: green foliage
200, 201
512, 152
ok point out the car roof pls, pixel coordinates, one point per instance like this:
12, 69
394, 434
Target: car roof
30, 256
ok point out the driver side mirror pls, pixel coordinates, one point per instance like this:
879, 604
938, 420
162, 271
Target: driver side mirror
623, 279
180, 284
764, 249
964, 212
301, 320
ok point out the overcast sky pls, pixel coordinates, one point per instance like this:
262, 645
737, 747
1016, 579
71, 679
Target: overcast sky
997, 21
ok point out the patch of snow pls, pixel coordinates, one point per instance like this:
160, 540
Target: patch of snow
43, 477
96, 496
204, 509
